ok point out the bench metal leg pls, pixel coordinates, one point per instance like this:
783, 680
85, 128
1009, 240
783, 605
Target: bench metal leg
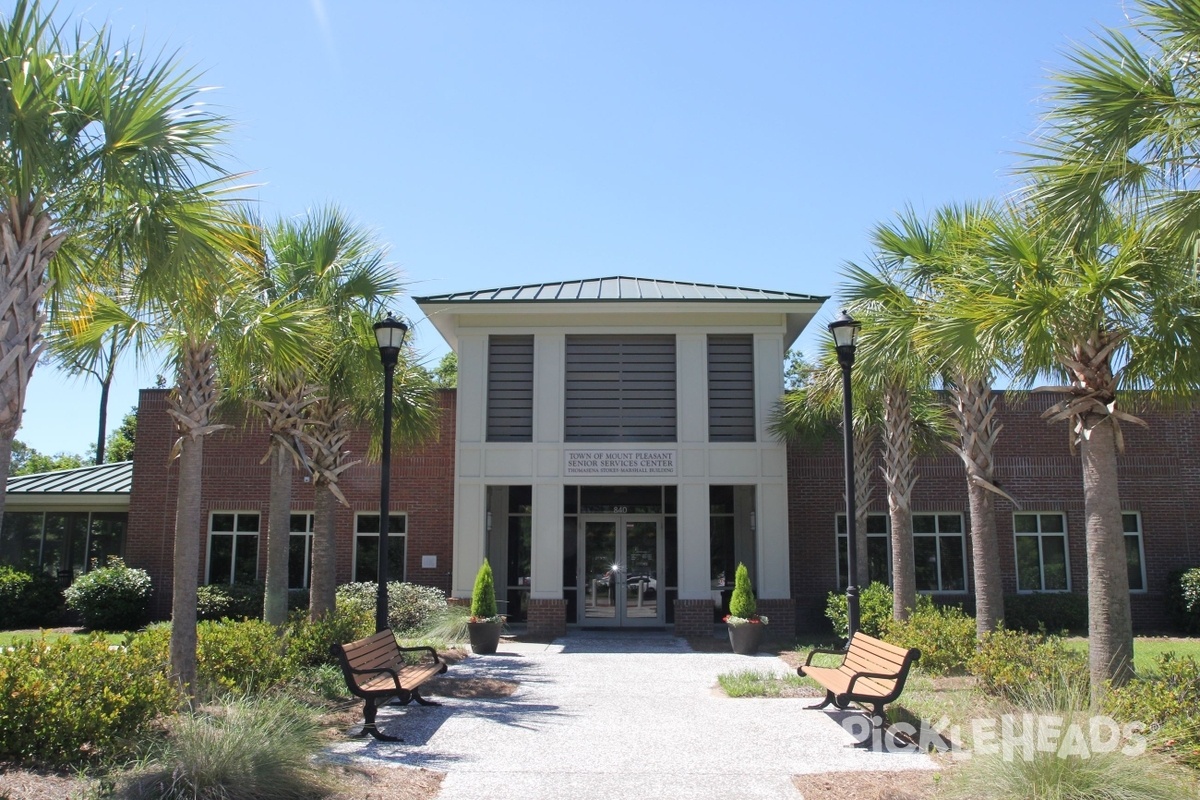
421, 701
829, 699
369, 728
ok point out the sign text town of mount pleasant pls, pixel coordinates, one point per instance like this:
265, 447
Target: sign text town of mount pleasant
620, 462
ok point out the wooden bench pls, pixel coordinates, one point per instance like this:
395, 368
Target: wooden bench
872, 673
375, 669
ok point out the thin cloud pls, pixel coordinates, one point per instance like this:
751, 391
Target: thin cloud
322, 19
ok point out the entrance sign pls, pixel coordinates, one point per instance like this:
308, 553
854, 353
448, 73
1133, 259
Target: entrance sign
619, 462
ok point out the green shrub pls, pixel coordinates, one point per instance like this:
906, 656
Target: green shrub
742, 603
1012, 664
66, 701
264, 748
28, 600
410, 605
309, 643
112, 598
874, 608
231, 656
483, 596
1166, 700
945, 635
1051, 611
1183, 599
224, 601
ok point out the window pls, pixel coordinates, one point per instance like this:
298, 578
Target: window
731, 537
300, 550
879, 549
731, 388
939, 552
620, 389
1131, 522
510, 389
232, 547
63, 543
366, 547
1041, 544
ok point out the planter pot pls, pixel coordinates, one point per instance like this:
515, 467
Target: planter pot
485, 637
745, 638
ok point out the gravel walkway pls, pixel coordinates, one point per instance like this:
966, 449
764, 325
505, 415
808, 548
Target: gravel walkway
622, 715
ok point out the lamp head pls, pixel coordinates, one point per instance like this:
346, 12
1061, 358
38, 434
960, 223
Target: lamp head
390, 334
845, 335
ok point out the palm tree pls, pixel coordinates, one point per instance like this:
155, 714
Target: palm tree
1121, 135
337, 268
1123, 315
928, 258
91, 139
901, 375
198, 303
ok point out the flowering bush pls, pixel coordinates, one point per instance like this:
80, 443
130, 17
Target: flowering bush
757, 619
112, 598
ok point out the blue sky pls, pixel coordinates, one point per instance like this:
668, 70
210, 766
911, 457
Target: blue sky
496, 143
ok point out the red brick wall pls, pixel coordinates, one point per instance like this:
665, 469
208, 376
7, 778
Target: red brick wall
547, 618
693, 618
422, 486
1158, 476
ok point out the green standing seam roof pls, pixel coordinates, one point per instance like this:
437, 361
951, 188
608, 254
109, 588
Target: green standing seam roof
114, 478
620, 289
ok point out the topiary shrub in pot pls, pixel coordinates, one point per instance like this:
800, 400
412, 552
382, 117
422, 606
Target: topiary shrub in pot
485, 623
746, 626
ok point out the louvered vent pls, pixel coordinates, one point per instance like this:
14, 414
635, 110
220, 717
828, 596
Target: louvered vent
620, 389
510, 389
731, 388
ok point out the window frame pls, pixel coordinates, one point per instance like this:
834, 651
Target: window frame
1040, 535
235, 534
937, 535
1141, 543
392, 536
845, 537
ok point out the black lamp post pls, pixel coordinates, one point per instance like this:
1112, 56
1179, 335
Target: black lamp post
389, 333
845, 336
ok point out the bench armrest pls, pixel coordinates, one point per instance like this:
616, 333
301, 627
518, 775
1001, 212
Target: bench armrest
417, 648
825, 651
887, 676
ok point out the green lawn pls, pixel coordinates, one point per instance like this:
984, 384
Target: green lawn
8, 637
1147, 649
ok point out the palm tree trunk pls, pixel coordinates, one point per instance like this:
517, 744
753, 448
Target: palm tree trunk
104, 387
275, 595
26, 247
1110, 623
187, 564
322, 588
899, 475
975, 417
864, 444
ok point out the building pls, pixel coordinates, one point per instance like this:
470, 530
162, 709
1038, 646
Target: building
607, 449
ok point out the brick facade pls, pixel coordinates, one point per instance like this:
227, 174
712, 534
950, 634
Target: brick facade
422, 487
547, 618
1033, 464
693, 617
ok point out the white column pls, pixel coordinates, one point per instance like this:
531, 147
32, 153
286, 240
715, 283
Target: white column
547, 549
470, 541
774, 573
472, 388
549, 386
695, 582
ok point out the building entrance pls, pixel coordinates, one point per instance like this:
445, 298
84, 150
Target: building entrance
620, 570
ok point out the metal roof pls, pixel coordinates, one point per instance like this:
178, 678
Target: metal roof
107, 479
620, 288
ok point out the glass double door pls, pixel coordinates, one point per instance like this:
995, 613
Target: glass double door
621, 559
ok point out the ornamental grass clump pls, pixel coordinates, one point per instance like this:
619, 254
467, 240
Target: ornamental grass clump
483, 596
264, 748
743, 608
